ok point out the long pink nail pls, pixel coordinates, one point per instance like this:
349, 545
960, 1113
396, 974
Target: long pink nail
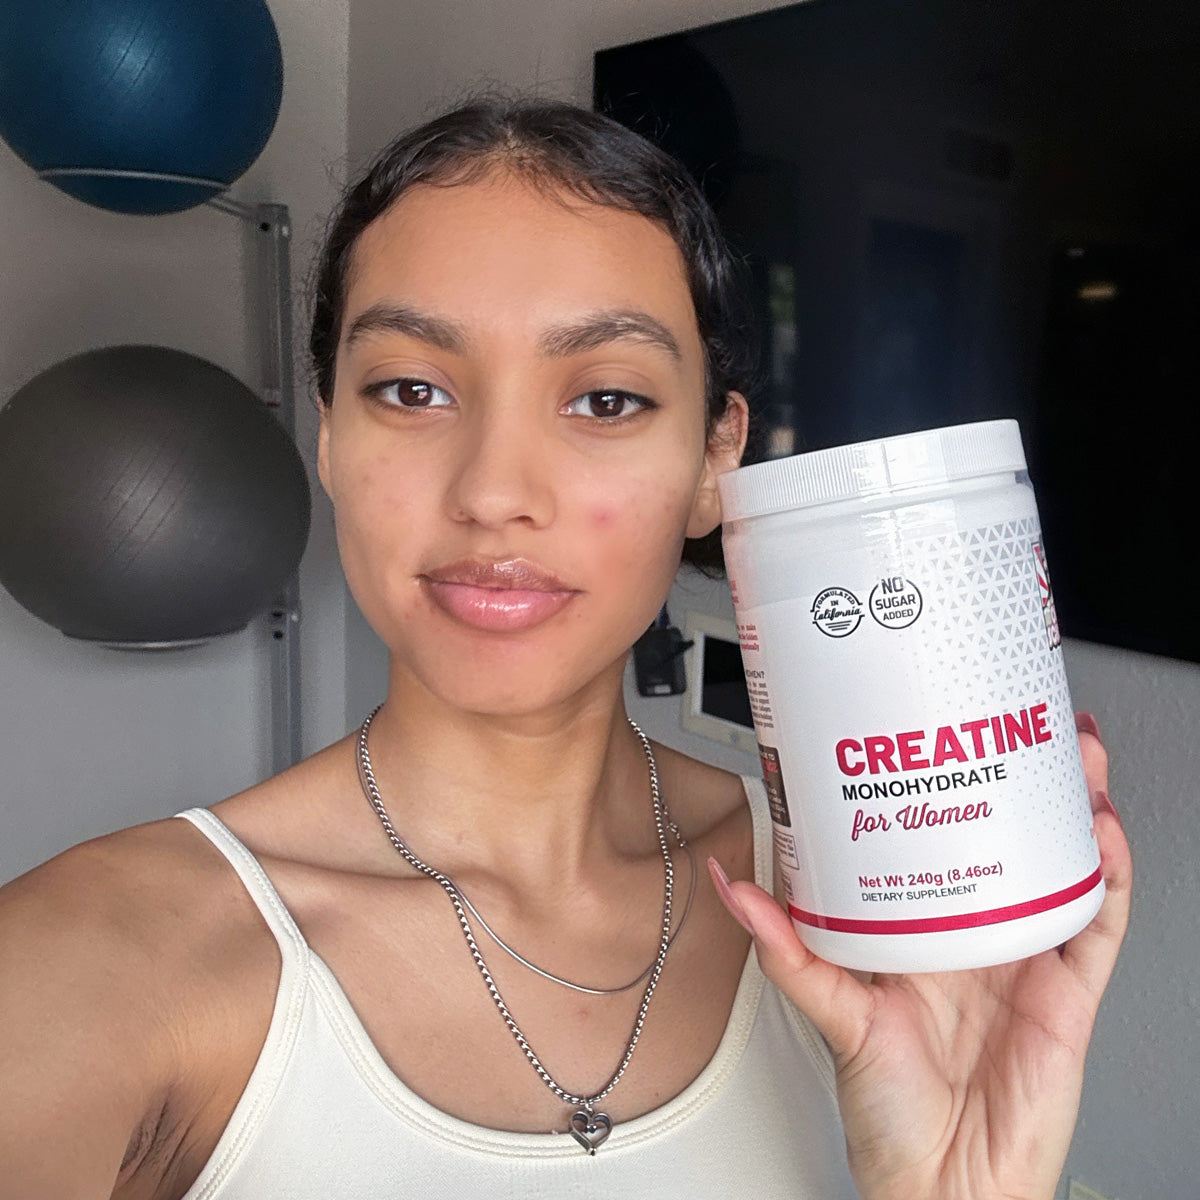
1086, 723
721, 883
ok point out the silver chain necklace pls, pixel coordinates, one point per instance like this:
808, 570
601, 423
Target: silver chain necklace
583, 987
587, 1126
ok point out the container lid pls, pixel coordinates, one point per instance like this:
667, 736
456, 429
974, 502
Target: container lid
875, 468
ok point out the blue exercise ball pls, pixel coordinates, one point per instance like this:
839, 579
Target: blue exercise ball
139, 106
147, 497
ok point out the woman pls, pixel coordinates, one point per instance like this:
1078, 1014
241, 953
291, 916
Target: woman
529, 356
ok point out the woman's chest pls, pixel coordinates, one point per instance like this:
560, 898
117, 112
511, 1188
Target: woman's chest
472, 1032
481, 1036
760, 1120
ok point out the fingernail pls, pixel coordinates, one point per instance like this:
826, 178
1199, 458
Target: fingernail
721, 883
1086, 723
1104, 804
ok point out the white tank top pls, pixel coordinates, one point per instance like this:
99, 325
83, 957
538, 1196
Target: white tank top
323, 1117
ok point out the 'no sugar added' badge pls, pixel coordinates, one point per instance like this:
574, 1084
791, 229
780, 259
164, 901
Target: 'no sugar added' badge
895, 602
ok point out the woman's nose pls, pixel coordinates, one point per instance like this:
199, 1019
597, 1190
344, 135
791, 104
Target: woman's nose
503, 473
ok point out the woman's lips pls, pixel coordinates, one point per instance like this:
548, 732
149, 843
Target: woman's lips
503, 597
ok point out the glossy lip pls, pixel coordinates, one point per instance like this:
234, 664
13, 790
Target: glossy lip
507, 596
518, 573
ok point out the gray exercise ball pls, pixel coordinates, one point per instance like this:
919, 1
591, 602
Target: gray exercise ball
146, 497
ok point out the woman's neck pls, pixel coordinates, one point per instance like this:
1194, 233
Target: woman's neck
552, 794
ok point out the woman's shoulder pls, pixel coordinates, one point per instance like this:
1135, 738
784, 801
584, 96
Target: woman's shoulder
113, 957
713, 807
712, 793
136, 890
117, 933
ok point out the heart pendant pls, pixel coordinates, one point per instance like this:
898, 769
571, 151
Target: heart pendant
590, 1129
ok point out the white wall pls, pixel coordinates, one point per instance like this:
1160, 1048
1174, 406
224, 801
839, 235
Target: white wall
408, 62
1138, 1136
93, 739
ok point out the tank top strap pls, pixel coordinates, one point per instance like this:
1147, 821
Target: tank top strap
764, 862
291, 941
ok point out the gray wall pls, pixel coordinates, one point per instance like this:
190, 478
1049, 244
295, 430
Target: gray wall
94, 739
1138, 1136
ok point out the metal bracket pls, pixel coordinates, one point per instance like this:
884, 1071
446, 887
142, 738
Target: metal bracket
272, 234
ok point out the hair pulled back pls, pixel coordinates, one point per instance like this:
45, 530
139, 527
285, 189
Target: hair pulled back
560, 147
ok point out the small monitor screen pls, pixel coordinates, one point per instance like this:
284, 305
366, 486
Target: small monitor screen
723, 690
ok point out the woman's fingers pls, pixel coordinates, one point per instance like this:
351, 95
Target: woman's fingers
1091, 750
836, 1003
1092, 953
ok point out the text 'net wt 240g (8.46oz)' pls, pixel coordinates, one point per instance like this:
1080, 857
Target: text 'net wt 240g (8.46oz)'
904, 667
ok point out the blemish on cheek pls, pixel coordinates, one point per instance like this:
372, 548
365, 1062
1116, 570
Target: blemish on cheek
603, 515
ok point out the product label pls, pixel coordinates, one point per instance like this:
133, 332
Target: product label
773, 781
920, 750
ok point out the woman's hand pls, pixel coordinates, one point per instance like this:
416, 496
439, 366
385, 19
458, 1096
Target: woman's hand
963, 1085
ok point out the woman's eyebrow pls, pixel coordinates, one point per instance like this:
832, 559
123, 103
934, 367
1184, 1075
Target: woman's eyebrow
611, 325
561, 341
386, 317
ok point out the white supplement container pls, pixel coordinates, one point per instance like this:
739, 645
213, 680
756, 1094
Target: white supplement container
905, 673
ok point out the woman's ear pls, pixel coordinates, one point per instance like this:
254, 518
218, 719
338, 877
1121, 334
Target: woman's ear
725, 447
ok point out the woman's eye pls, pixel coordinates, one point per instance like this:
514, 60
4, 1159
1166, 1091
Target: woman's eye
409, 393
607, 404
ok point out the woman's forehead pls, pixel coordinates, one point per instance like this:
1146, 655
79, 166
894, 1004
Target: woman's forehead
501, 240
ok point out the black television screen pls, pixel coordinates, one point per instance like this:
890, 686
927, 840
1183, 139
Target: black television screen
958, 210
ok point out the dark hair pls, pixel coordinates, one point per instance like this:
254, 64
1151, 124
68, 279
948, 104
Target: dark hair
558, 146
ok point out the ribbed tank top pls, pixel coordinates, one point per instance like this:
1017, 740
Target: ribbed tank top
323, 1116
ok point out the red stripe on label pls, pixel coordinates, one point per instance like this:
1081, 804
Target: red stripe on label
991, 916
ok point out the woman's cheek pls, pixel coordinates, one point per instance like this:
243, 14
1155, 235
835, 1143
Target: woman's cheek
602, 516
639, 526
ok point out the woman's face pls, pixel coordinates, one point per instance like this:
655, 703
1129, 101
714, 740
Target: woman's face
516, 446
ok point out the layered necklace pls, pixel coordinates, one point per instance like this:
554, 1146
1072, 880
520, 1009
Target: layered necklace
587, 1125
